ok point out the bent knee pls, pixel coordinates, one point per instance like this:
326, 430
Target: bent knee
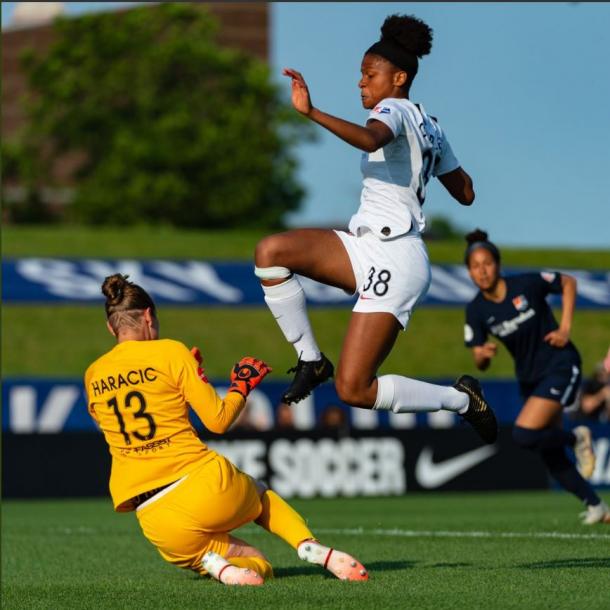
526, 437
269, 251
354, 392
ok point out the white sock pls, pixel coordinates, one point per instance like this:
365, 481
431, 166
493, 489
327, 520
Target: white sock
404, 395
313, 552
228, 574
216, 565
287, 304
337, 562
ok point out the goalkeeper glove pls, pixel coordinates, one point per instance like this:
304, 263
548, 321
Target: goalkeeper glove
200, 370
247, 374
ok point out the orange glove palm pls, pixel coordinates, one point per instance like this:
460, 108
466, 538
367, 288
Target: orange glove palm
247, 374
200, 370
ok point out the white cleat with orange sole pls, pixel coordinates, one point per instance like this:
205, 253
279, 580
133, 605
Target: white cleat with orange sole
220, 569
599, 513
583, 451
338, 563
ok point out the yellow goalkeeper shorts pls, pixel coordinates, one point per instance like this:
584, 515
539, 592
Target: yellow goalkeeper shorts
197, 515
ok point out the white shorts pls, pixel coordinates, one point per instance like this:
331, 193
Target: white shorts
391, 275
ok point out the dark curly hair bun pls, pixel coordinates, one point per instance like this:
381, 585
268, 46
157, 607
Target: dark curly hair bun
478, 239
411, 33
475, 236
113, 288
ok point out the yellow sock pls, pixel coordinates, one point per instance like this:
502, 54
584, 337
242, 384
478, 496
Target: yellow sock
261, 566
279, 518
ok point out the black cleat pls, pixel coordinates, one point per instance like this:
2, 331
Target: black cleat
479, 414
308, 375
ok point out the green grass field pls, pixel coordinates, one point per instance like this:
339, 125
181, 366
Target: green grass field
47, 340
437, 551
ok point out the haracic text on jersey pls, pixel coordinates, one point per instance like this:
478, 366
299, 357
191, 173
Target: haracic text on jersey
120, 380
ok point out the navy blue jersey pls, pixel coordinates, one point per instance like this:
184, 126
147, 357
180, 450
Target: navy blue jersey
521, 321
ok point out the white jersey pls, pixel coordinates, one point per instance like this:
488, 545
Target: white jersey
395, 176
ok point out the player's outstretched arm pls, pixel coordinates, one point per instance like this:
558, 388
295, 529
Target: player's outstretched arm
218, 414
369, 138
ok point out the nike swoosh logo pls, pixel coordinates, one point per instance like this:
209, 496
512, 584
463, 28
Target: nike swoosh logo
430, 474
366, 298
555, 391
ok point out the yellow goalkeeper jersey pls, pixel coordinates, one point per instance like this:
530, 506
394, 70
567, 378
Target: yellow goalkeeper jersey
139, 394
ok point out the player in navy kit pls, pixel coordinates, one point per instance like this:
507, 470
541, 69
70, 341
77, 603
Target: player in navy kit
514, 309
382, 256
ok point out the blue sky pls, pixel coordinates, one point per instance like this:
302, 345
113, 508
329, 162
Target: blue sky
520, 88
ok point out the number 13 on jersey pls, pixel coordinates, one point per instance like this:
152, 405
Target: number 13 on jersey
134, 406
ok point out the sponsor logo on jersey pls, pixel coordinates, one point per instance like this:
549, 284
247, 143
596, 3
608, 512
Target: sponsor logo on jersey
510, 326
151, 447
382, 110
548, 277
520, 303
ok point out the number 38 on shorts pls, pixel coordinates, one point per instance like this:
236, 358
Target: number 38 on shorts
378, 281
392, 276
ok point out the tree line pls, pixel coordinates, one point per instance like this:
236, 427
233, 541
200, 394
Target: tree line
162, 123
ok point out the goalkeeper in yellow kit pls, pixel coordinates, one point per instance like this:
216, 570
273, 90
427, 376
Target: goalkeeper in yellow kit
187, 498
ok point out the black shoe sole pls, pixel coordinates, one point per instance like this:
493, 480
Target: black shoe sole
290, 396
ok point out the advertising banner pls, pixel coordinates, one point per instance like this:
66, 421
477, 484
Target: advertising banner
52, 448
230, 284
314, 464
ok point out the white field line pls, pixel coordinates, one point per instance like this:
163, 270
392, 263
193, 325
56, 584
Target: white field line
396, 533
400, 533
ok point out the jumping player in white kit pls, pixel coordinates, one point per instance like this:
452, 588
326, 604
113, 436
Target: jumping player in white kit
382, 257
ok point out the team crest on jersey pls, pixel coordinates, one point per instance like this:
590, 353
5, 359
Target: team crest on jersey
547, 276
381, 110
520, 303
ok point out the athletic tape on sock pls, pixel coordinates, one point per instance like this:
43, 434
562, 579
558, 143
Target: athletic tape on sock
272, 273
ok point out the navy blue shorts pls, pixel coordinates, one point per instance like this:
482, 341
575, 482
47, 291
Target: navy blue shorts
561, 385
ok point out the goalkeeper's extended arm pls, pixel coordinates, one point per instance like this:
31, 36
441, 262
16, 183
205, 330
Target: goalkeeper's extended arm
218, 414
